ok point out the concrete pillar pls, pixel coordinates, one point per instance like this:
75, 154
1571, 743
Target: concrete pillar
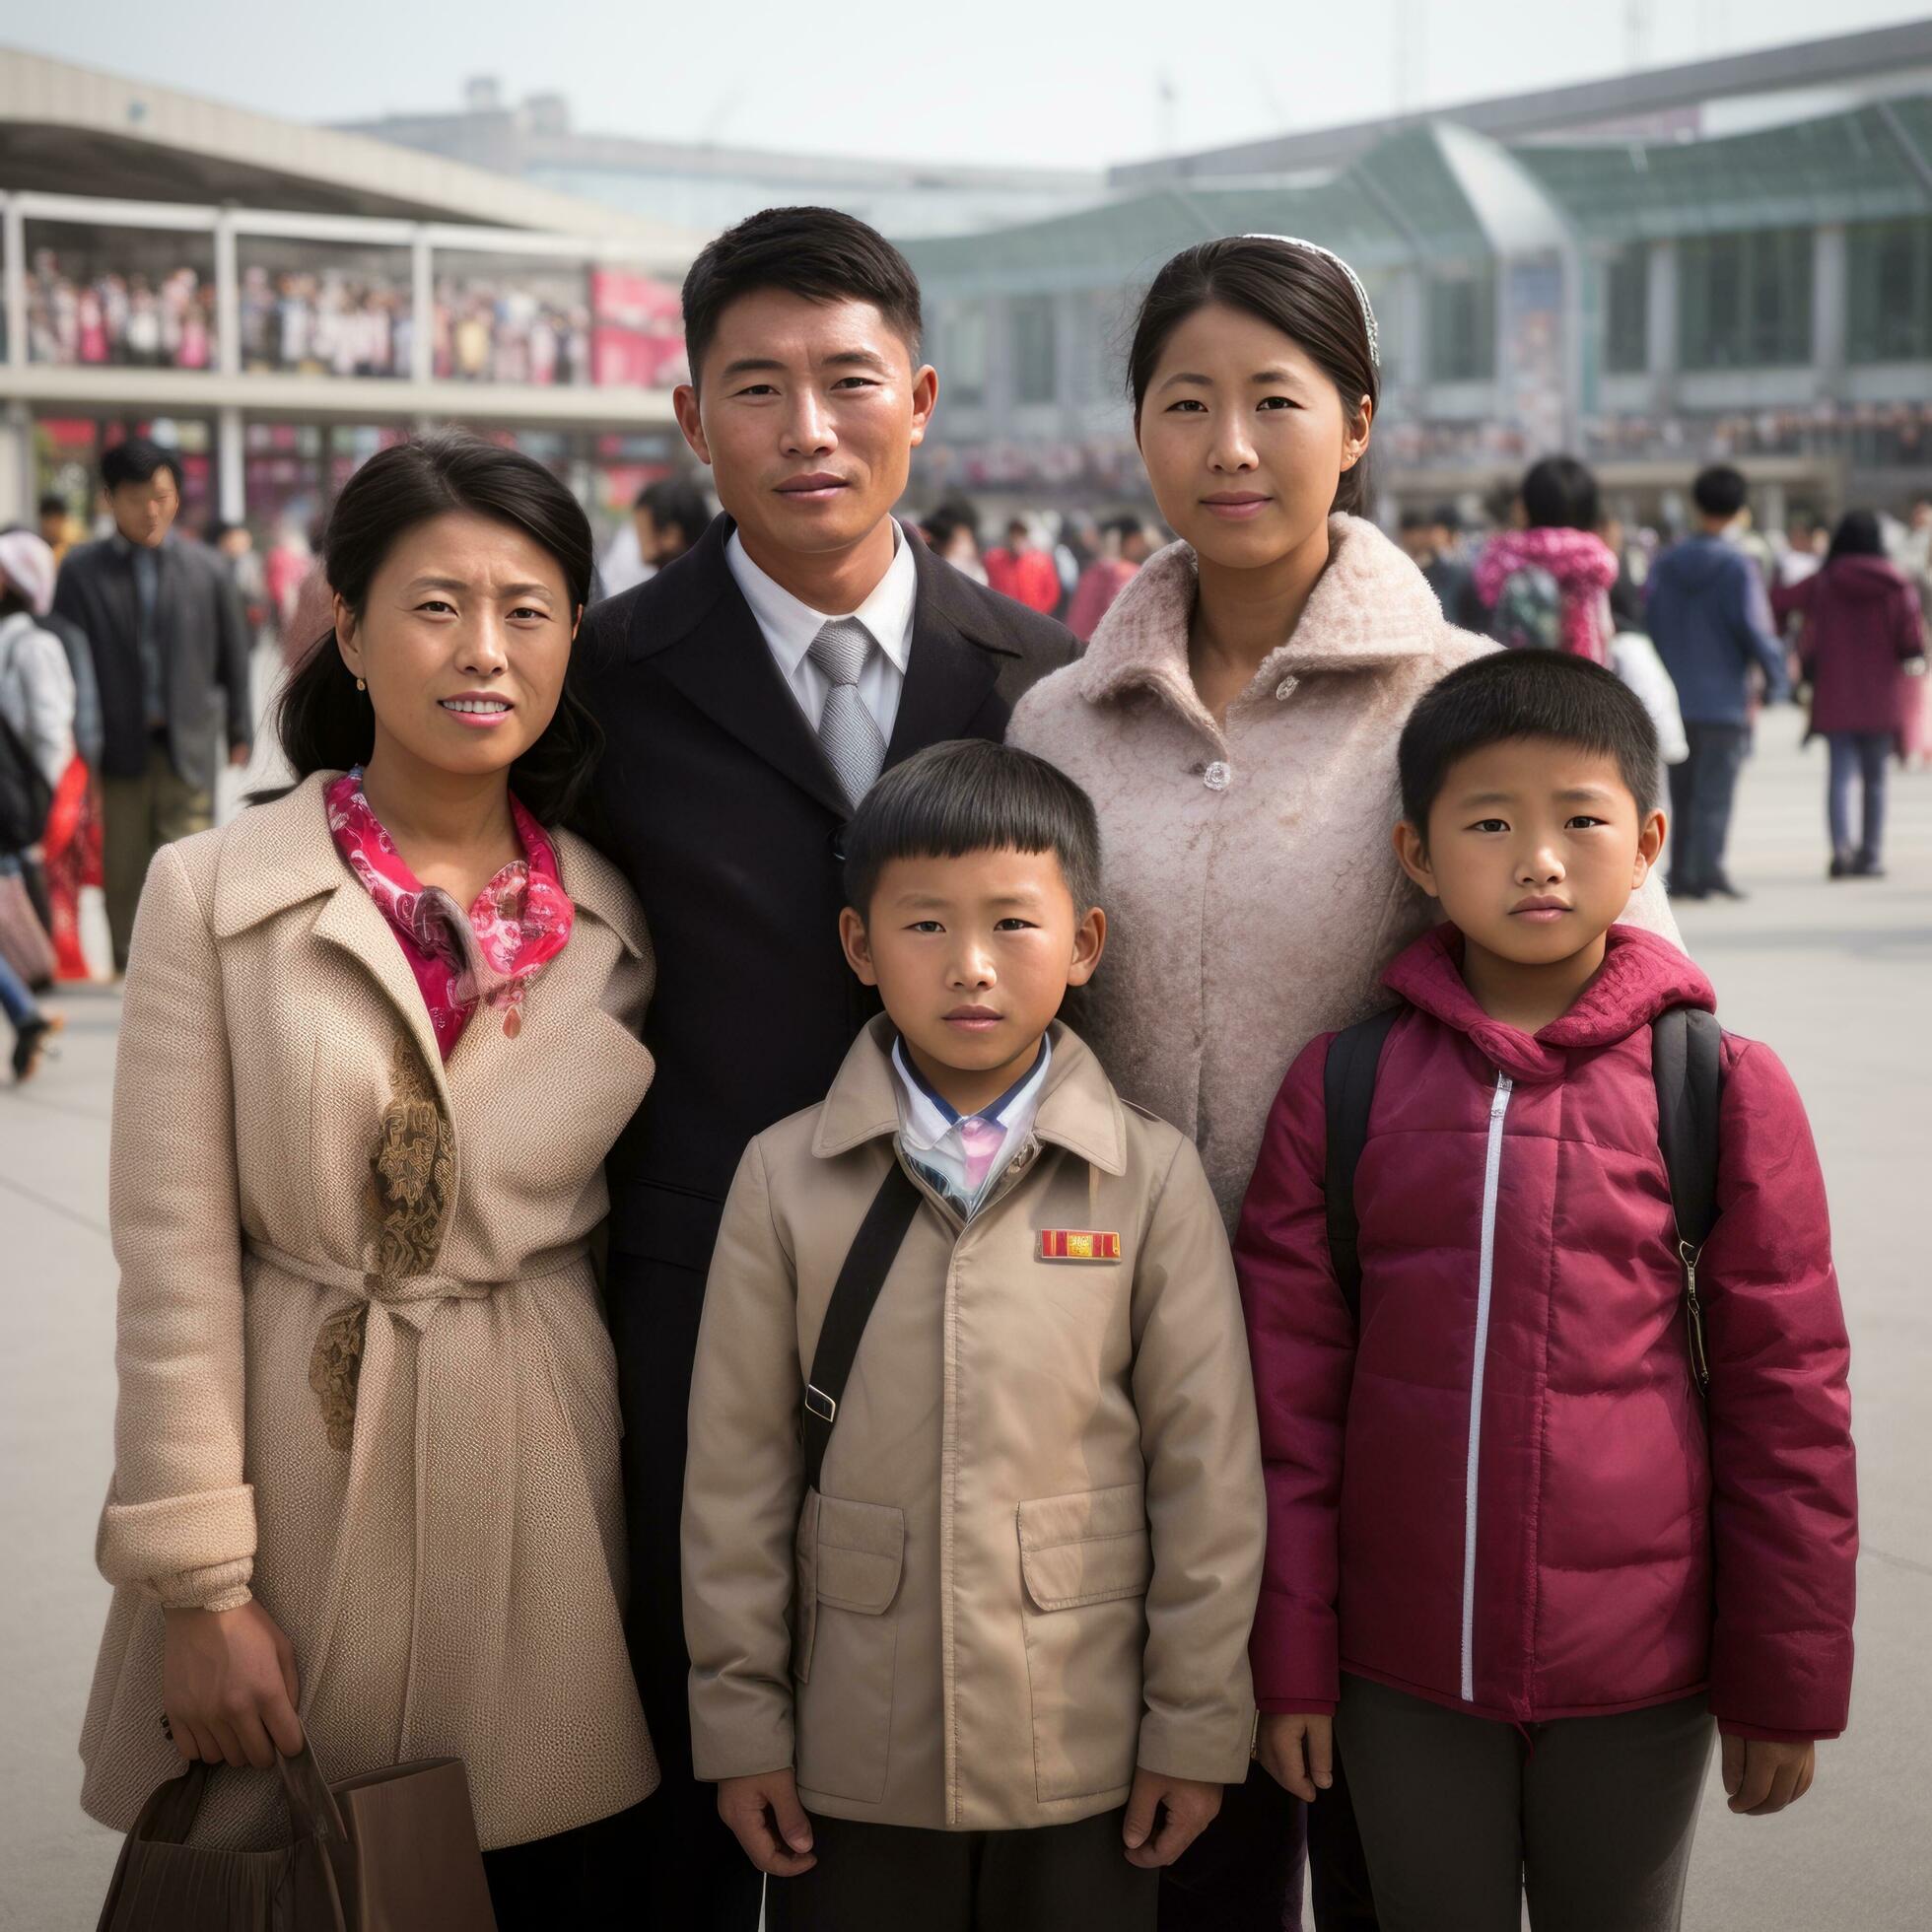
1830, 302
230, 463
13, 247
1660, 354
422, 304
17, 483
228, 301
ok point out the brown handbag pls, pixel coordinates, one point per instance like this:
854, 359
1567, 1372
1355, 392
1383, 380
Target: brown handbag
390, 1851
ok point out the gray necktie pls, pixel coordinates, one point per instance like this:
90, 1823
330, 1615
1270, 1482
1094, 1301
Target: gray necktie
847, 732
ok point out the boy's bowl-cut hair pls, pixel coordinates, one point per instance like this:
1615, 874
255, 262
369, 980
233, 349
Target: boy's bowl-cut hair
1525, 694
820, 254
971, 796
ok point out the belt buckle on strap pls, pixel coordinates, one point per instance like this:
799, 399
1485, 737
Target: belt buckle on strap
819, 1404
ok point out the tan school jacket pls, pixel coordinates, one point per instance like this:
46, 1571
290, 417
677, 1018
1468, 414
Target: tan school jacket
1036, 1558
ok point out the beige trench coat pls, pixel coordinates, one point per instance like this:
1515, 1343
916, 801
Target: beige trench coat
1036, 1558
364, 1372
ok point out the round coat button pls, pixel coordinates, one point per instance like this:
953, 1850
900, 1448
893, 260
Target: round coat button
1218, 775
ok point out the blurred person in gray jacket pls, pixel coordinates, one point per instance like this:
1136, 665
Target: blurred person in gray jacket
170, 656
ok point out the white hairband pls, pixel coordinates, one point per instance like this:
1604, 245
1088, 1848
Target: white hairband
1355, 282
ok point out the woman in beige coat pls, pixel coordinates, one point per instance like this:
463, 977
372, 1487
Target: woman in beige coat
365, 1481
1235, 722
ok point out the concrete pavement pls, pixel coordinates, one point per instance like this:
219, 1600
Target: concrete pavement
1835, 976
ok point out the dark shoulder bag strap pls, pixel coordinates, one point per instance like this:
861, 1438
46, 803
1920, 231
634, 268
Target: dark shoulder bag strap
1349, 1090
1687, 1062
868, 1262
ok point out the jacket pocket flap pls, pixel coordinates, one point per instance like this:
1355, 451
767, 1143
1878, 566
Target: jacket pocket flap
1087, 1549
862, 1550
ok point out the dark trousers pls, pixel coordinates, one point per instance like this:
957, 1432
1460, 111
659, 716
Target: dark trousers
140, 815
1243, 1874
584, 1879
1856, 756
1590, 1817
687, 1870
1703, 790
891, 1878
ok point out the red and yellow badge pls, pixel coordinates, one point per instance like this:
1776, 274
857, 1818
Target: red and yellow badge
1079, 1244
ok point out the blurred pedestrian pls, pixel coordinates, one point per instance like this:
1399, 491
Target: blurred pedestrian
1862, 628
952, 531
167, 635
290, 562
1023, 571
670, 514
1444, 562
1127, 547
243, 566
1548, 584
57, 526
56, 708
1712, 624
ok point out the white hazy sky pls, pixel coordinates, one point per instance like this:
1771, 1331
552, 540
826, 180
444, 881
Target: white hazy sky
1062, 83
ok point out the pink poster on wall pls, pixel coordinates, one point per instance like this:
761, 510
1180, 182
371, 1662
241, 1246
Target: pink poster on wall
637, 332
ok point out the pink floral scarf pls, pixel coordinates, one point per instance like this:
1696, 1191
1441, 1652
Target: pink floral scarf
520, 923
1584, 568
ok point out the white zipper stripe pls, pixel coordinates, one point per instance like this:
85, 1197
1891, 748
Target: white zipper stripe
1484, 1281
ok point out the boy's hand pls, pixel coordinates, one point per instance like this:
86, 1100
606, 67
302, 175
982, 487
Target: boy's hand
1297, 1750
1762, 1777
1190, 1805
768, 1820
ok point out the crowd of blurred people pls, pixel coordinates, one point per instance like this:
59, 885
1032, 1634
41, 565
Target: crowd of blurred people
327, 322
510, 335
127, 319
1708, 623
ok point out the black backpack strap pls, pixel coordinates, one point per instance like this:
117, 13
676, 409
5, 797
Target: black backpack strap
1349, 1090
868, 1262
1686, 1062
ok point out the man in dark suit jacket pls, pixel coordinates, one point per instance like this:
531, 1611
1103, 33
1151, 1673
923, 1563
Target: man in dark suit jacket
165, 630
749, 692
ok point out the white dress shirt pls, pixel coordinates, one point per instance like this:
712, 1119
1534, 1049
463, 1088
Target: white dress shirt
789, 627
929, 1127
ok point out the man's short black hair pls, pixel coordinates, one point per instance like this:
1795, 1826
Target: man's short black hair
971, 796
1524, 694
815, 252
1415, 520
135, 461
1448, 517
676, 504
1720, 491
53, 505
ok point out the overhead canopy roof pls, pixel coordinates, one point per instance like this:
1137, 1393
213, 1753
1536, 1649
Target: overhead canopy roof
1868, 164
72, 130
1401, 204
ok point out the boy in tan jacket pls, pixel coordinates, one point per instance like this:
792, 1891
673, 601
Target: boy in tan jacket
990, 1670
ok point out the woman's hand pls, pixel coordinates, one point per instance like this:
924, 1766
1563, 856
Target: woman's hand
228, 1685
1297, 1750
1762, 1776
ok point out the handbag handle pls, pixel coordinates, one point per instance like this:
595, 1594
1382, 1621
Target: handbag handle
170, 1813
313, 1809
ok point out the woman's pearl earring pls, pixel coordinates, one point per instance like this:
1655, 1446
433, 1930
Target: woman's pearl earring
360, 685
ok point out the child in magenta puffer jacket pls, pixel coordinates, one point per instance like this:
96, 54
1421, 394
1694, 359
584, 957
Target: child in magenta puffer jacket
1517, 1562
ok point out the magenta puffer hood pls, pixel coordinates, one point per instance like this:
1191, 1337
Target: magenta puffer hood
1499, 1489
1641, 976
